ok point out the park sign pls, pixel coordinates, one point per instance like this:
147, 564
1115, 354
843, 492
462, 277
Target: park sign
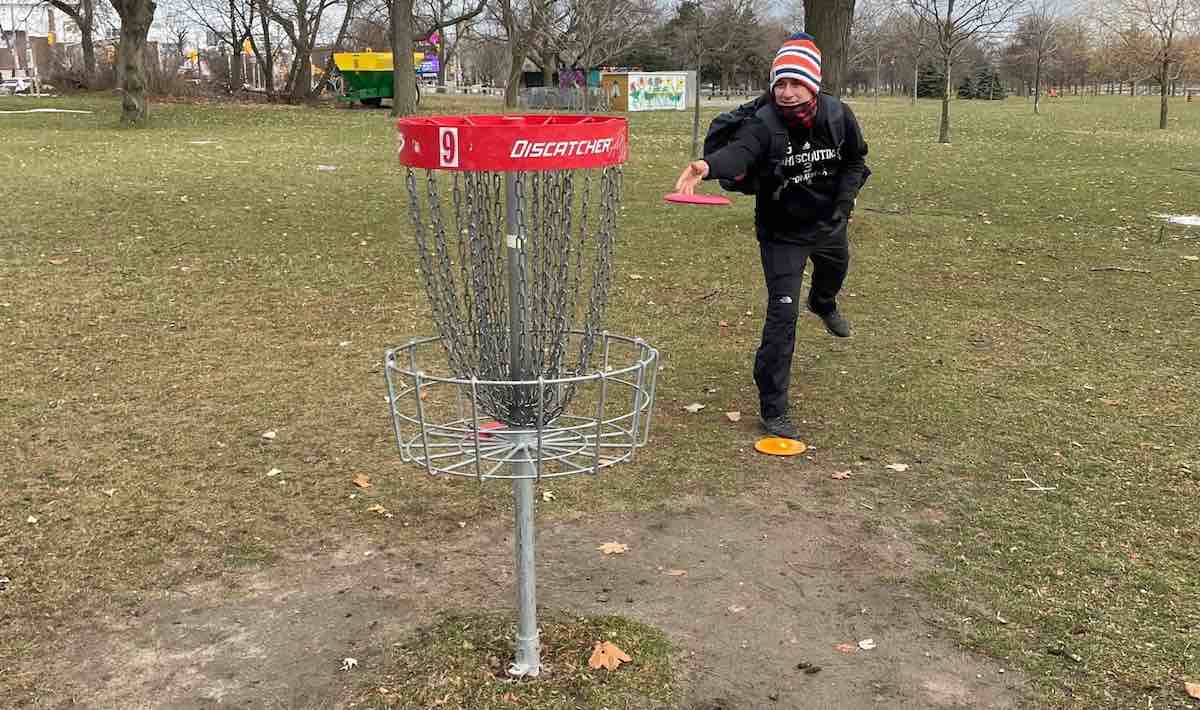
648, 91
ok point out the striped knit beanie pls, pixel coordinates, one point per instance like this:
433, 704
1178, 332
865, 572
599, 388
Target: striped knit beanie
800, 59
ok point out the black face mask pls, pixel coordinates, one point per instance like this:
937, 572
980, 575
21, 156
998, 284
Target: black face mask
802, 115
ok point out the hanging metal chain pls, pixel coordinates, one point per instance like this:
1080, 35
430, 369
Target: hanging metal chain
566, 242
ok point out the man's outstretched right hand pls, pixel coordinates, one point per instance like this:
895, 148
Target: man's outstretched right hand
691, 176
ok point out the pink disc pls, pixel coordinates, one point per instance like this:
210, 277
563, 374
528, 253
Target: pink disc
681, 198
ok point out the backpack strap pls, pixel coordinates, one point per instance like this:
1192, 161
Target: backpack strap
779, 142
835, 116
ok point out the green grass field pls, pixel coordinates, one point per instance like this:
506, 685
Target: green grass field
167, 295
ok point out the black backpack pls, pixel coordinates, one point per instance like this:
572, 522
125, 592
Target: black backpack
725, 126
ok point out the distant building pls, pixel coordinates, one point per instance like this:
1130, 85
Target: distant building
26, 29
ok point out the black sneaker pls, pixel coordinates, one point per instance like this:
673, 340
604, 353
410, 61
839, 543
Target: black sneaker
835, 323
781, 426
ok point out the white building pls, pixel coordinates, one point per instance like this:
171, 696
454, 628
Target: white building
36, 19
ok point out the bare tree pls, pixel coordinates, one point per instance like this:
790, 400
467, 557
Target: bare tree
829, 21
869, 45
83, 14
910, 40
706, 32
599, 30
136, 16
1037, 36
435, 13
524, 23
485, 57
231, 23
953, 23
176, 27
404, 29
341, 38
301, 22
1156, 38
264, 54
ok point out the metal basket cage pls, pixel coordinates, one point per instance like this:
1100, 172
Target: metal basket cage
440, 423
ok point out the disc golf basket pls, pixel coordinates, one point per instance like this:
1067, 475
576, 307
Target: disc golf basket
515, 220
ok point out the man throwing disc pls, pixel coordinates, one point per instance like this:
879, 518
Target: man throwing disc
804, 152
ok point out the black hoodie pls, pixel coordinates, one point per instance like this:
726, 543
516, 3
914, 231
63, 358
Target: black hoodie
818, 176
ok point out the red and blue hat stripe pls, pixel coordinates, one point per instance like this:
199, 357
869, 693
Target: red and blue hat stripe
800, 59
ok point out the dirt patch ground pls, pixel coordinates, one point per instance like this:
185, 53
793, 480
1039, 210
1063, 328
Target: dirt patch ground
766, 589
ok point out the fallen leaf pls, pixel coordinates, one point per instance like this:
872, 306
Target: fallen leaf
735, 608
899, 467
268, 435
733, 416
274, 472
348, 663
635, 277
377, 508
694, 407
1192, 689
547, 496
675, 572
58, 260
362, 480
845, 648
613, 548
605, 654
841, 475
110, 492
866, 644
510, 698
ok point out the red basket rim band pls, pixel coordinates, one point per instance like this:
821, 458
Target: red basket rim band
512, 143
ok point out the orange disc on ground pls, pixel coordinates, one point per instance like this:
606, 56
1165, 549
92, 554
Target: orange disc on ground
776, 446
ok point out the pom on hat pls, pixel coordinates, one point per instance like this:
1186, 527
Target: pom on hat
799, 59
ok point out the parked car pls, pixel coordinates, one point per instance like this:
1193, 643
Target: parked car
16, 85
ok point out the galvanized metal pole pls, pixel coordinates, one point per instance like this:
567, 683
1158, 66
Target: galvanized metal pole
528, 660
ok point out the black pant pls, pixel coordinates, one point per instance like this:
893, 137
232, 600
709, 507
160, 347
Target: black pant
783, 268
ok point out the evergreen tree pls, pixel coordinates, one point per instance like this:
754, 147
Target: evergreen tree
931, 82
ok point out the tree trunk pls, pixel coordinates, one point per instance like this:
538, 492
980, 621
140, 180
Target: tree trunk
878, 74
83, 15
829, 22
266, 61
404, 79
136, 16
696, 147
1162, 109
512, 90
443, 57
1037, 84
87, 29
916, 79
235, 57
549, 64
89, 53
944, 127
302, 77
